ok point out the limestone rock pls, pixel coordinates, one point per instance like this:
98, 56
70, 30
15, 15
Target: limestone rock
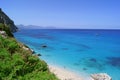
101, 76
7, 21
28, 49
3, 34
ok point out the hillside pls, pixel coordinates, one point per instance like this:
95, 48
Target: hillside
17, 61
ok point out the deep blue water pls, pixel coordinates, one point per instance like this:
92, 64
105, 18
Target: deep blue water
82, 51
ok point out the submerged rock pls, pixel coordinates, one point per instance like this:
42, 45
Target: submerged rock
93, 60
92, 63
101, 76
39, 54
64, 48
84, 68
97, 34
114, 61
44, 46
76, 64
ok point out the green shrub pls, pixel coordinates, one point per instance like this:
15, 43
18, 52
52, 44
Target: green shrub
21, 65
12, 47
6, 29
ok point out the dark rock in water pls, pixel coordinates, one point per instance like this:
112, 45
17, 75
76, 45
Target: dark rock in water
116, 51
4, 19
93, 60
84, 68
80, 50
64, 67
85, 46
114, 61
44, 46
47, 55
39, 55
76, 64
93, 63
97, 34
33, 52
64, 48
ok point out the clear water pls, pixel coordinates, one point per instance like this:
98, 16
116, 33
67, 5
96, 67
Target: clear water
82, 51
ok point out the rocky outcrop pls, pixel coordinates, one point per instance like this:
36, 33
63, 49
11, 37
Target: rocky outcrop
101, 76
28, 49
3, 34
7, 21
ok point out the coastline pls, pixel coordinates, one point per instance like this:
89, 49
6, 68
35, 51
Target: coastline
64, 74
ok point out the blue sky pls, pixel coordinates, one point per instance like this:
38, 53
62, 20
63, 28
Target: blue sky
64, 13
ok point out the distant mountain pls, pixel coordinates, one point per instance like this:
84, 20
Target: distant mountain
34, 27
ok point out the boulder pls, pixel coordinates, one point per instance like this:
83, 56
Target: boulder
25, 48
44, 46
101, 76
28, 49
38, 54
33, 52
3, 34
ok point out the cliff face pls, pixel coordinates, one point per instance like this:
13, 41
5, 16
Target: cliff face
7, 21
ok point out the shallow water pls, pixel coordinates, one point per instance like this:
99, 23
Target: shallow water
83, 51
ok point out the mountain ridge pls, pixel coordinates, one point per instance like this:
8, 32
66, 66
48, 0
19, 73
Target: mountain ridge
21, 26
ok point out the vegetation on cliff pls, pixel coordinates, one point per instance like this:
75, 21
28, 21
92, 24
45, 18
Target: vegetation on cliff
6, 20
17, 63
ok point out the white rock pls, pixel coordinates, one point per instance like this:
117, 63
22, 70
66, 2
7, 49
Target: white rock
3, 34
26, 48
101, 76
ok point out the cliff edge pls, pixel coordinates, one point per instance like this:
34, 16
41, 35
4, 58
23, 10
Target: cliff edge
7, 21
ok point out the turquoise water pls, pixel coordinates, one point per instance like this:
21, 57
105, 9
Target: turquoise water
82, 51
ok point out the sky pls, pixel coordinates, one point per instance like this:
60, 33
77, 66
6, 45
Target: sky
64, 13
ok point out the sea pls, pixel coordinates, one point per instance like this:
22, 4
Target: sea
83, 51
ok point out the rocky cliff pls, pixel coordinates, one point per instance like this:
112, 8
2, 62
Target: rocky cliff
7, 21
